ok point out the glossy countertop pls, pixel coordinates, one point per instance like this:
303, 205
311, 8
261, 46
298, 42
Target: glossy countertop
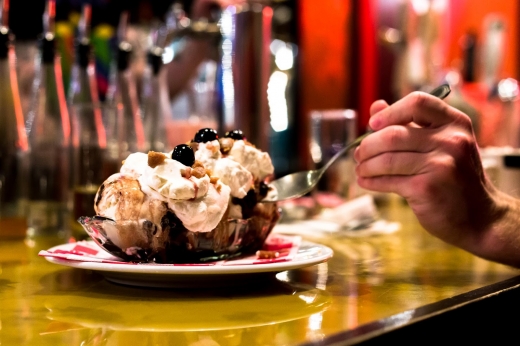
369, 279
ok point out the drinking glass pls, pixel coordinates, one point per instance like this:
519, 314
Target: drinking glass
331, 130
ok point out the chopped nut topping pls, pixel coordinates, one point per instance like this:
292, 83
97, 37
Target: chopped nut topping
213, 180
194, 145
186, 173
155, 159
197, 163
226, 144
218, 187
209, 172
198, 172
210, 147
264, 254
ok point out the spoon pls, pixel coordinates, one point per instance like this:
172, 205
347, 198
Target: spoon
298, 184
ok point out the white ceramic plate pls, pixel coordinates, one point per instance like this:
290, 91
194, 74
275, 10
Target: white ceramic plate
156, 275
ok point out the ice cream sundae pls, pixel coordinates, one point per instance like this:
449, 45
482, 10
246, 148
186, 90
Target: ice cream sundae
198, 203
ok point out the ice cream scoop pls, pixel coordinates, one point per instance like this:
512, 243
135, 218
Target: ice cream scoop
191, 205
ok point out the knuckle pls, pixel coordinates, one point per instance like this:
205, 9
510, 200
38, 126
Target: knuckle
461, 144
441, 171
393, 135
418, 99
465, 122
360, 154
425, 187
445, 164
388, 161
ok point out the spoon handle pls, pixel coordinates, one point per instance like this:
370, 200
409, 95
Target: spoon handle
351, 145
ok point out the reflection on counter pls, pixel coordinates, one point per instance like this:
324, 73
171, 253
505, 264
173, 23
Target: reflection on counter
368, 279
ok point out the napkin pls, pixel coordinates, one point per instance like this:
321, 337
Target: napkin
354, 218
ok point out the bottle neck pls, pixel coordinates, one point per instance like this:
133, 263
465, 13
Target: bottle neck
83, 50
83, 87
5, 42
12, 122
51, 116
48, 50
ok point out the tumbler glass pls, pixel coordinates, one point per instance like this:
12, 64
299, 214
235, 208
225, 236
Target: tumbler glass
332, 130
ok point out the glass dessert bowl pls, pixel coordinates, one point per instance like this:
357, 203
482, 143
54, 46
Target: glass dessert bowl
232, 238
199, 203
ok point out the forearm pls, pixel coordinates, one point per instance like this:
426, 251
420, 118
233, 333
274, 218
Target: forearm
185, 66
499, 240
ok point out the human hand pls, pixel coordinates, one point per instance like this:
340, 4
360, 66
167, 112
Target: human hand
425, 151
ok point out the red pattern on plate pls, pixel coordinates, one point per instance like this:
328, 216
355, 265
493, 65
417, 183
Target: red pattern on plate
88, 251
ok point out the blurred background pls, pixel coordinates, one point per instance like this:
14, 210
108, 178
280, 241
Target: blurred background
336, 55
279, 70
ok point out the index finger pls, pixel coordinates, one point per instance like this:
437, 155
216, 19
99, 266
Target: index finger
418, 107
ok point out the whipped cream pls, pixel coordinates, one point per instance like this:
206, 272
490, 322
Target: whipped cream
230, 172
255, 161
195, 201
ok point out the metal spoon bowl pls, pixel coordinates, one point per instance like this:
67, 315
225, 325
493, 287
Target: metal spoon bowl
300, 183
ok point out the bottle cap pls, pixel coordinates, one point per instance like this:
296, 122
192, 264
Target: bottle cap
48, 48
5, 41
83, 54
124, 51
155, 59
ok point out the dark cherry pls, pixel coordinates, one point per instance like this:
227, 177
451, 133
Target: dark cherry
235, 134
205, 135
247, 203
184, 154
263, 189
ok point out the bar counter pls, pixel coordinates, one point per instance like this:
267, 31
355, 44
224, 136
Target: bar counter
375, 289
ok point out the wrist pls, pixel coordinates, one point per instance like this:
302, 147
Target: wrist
498, 237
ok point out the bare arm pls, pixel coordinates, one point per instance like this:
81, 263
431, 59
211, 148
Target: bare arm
182, 69
425, 151
196, 51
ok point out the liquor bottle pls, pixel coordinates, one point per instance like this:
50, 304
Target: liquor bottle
125, 124
155, 101
49, 139
13, 140
89, 166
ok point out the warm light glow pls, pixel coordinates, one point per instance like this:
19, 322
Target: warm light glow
315, 151
283, 276
308, 298
276, 89
226, 22
276, 45
315, 321
402, 318
20, 126
227, 28
421, 7
439, 5
453, 78
284, 58
323, 275
64, 111
168, 55
508, 89
98, 117
284, 54
392, 35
